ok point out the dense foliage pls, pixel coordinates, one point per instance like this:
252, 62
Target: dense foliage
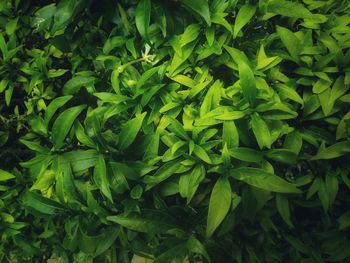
178, 131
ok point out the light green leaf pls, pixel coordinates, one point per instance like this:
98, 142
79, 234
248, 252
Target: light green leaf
333, 151
210, 35
230, 115
247, 82
201, 154
289, 93
290, 41
191, 33
219, 204
44, 181
261, 131
11, 26
4, 175
288, 9
8, 94
230, 134
244, 15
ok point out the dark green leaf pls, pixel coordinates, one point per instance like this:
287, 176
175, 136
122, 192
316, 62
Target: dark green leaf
201, 7
264, 180
63, 124
142, 17
130, 130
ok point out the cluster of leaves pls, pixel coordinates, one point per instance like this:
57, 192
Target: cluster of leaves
177, 131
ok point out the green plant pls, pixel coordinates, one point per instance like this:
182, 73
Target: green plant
178, 131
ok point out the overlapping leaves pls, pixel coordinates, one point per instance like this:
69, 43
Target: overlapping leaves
179, 131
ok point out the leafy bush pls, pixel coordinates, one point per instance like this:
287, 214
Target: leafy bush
179, 131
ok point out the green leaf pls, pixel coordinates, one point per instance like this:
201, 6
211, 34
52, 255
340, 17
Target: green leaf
44, 181
343, 127
323, 196
190, 34
261, 131
8, 94
230, 134
230, 115
35, 146
130, 130
264, 180
73, 85
184, 80
210, 35
290, 41
297, 244
246, 154
5, 176
289, 93
177, 252
293, 142
285, 156
245, 14
113, 42
3, 47
219, 204
201, 7
3, 85
288, 9
149, 221
334, 151
97, 244
201, 154
160, 17
11, 26
54, 106
177, 128
195, 246
100, 177
282, 204
63, 124
188, 183
142, 17
332, 186
163, 173
344, 220
320, 86
38, 204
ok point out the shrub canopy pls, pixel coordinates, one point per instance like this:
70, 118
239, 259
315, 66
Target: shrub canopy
179, 131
